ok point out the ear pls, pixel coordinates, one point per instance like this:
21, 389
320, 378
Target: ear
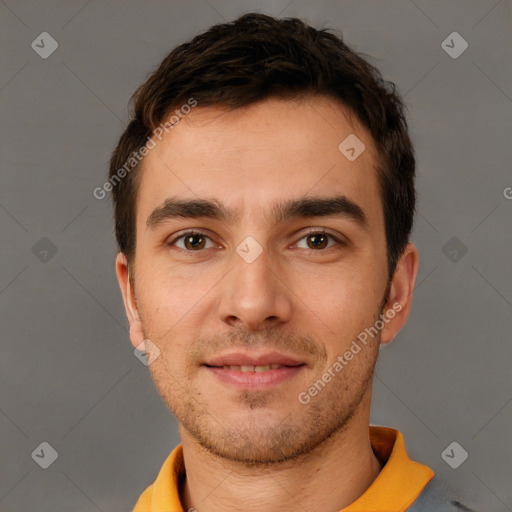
130, 303
398, 306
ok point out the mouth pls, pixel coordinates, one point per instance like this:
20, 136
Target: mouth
254, 372
253, 368
250, 360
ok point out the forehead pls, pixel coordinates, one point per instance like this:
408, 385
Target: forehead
251, 158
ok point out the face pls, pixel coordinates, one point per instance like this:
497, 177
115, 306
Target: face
254, 292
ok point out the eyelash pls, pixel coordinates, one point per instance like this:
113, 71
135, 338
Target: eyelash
310, 233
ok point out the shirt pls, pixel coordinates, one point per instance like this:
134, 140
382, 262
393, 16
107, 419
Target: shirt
398, 485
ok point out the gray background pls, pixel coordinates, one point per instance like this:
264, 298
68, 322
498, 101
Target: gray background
68, 373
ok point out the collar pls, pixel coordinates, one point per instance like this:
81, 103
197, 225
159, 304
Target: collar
397, 486
400, 481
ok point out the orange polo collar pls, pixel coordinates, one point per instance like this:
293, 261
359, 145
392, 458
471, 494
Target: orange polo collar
397, 486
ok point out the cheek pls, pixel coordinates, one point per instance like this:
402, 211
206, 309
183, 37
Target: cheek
163, 312
338, 298
351, 286
170, 294
340, 303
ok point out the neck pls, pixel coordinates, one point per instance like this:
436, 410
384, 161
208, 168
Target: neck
327, 479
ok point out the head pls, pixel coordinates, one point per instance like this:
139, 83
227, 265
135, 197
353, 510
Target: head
243, 224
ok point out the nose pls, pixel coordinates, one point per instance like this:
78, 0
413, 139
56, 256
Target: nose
255, 294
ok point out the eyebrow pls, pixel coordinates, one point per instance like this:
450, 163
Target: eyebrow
304, 207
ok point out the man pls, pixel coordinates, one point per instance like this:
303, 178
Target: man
264, 199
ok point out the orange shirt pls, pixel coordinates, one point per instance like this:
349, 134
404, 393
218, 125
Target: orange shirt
397, 486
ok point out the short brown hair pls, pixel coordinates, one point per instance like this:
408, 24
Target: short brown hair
256, 57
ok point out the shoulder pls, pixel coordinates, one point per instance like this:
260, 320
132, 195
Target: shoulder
438, 497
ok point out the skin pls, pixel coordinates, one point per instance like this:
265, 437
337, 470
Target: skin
264, 450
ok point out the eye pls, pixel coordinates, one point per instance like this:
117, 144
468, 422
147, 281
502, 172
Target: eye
319, 240
193, 241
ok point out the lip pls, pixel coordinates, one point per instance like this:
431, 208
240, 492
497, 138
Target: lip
250, 359
290, 367
255, 381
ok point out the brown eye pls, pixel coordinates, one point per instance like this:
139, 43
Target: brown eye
194, 242
320, 241
317, 241
191, 241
